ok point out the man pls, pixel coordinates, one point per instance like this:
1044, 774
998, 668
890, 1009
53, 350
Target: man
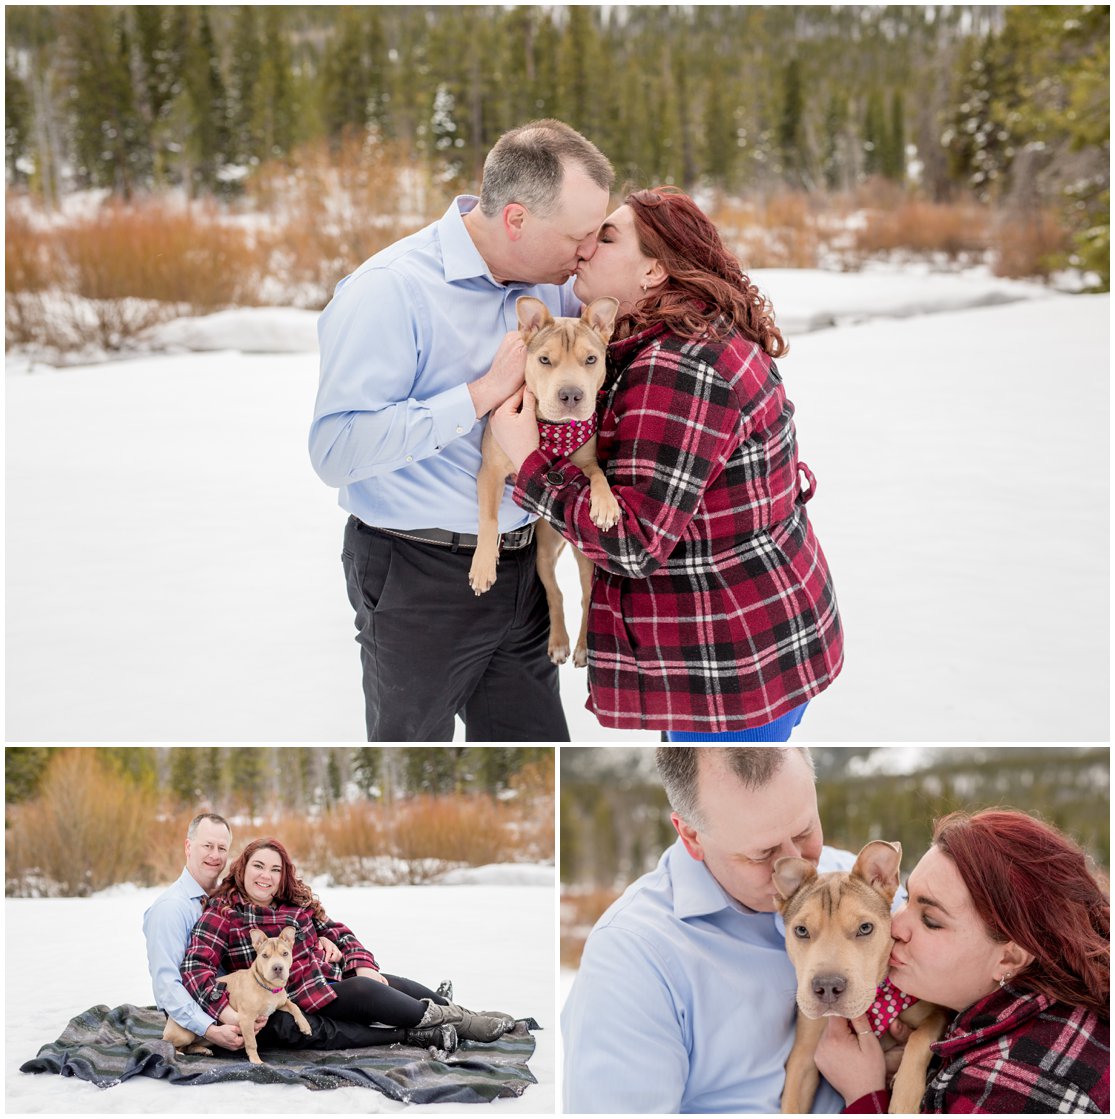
684, 1001
407, 374
167, 925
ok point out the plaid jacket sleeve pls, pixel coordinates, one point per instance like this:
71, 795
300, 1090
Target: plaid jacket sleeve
678, 422
355, 954
991, 1084
206, 958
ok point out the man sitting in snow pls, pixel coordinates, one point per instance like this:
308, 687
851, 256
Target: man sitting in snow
167, 926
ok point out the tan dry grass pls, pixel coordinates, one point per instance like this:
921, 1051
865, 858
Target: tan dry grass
580, 910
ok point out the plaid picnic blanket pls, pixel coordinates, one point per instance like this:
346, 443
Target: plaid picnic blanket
108, 1047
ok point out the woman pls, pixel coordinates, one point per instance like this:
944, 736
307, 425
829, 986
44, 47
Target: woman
712, 615
332, 973
1005, 926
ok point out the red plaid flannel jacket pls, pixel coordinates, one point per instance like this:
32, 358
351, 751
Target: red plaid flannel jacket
712, 605
1016, 1053
222, 942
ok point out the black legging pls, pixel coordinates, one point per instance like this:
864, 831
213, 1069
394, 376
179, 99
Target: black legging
365, 1000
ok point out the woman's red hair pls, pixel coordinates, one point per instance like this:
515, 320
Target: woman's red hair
292, 890
705, 280
1031, 884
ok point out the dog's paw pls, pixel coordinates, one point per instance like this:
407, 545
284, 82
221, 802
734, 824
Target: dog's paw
558, 652
604, 514
580, 656
482, 574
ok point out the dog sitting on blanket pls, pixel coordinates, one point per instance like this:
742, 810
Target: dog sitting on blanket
838, 939
255, 992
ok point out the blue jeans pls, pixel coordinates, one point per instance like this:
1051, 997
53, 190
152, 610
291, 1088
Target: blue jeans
778, 731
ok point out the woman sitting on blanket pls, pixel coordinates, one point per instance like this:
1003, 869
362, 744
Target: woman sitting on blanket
1006, 928
332, 973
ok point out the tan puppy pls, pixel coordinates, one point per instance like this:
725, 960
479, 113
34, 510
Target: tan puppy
838, 939
565, 370
255, 992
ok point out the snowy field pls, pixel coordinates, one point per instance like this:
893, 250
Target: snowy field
173, 563
494, 938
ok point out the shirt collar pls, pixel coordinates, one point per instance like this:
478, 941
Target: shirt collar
193, 888
696, 891
460, 257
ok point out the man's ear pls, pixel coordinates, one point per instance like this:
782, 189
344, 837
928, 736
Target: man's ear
513, 218
689, 837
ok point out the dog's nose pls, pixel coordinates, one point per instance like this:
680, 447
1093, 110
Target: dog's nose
570, 395
828, 988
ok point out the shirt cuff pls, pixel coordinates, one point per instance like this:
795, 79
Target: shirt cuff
544, 478
453, 414
874, 1103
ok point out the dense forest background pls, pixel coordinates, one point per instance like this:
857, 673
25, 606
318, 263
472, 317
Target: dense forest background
1006, 105
81, 819
614, 818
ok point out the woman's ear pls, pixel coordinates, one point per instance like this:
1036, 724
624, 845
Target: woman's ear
1013, 959
655, 275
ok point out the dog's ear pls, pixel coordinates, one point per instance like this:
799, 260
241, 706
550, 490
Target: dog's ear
600, 314
877, 864
288, 935
533, 316
258, 937
791, 874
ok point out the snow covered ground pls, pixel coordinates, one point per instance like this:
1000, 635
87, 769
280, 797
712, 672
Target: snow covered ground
173, 564
494, 937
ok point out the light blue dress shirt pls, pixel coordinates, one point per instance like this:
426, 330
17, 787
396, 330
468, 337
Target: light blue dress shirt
394, 425
684, 1001
167, 926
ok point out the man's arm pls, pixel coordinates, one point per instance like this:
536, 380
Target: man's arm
166, 929
366, 420
624, 1047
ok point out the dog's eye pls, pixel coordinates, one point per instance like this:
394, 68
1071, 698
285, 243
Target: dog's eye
591, 359
801, 932
544, 360
866, 929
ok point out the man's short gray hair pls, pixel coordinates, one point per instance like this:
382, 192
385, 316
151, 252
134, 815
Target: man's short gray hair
753, 765
527, 165
191, 831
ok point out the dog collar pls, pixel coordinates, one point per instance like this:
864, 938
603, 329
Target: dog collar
889, 1003
564, 439
270, 990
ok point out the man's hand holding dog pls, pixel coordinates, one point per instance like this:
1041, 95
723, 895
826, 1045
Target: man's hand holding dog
504, 377
515, 427
850, 1058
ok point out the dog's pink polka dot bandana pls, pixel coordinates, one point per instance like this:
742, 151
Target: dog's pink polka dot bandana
564, 439
889, 1003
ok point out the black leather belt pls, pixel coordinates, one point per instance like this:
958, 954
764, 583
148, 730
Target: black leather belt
442, 538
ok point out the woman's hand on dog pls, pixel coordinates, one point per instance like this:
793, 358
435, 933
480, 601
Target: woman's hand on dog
504, 377
514, 426
850, 1058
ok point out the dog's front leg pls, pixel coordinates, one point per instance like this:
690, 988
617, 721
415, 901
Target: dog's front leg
489, 491
802, 1076
297, 1015
247, 1023
909, 1081
604, 510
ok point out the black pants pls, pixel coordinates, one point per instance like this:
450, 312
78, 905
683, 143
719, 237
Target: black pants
431, 649
281, 1032
365, 1000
